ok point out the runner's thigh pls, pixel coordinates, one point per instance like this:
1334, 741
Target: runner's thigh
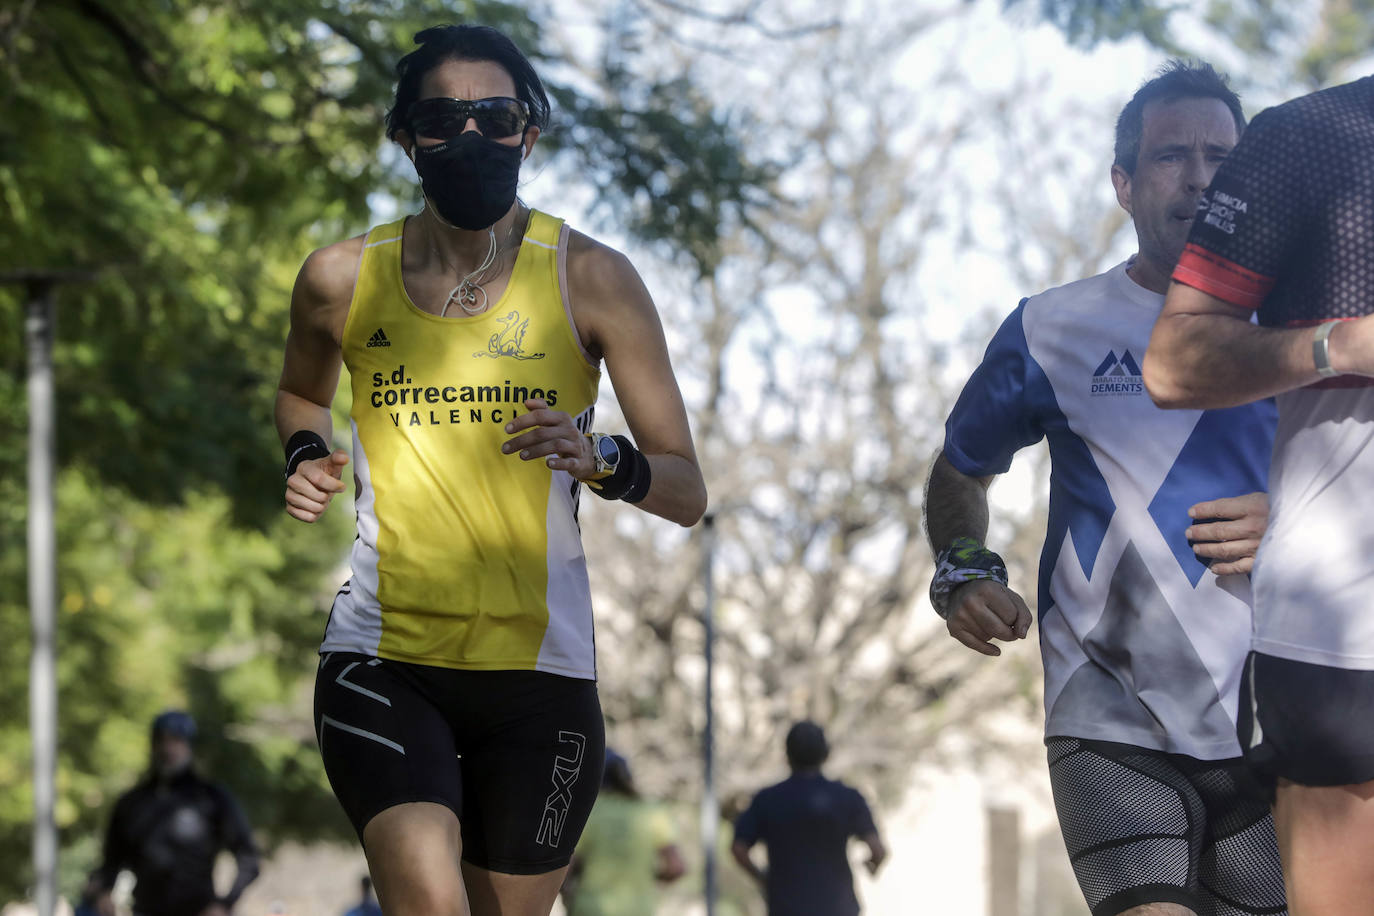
1133, 824
382, 739
1240, 872
531, 767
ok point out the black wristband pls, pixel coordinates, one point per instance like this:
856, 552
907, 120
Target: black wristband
304, 445
632, 476
642, 478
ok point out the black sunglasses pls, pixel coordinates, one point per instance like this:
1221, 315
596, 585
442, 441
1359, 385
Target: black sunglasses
444, 118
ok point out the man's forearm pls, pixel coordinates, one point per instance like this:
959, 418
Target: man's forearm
247, 863
1204, 353
956, 505
746, 862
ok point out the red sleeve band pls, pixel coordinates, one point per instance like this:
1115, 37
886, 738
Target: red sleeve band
1226, 280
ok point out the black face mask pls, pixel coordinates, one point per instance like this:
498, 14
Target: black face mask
469, 180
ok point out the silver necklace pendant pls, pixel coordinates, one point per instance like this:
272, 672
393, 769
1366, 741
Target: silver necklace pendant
467, 297
465, 294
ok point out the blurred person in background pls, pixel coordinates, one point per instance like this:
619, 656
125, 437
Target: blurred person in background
627, 851
367, 904
805, 823
169, 829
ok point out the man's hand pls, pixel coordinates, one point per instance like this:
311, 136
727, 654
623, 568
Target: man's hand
877, 852
1229, 531
542, 432
984, 610
313, 485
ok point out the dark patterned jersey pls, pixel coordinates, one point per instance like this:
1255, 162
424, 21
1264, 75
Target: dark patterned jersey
1287, 226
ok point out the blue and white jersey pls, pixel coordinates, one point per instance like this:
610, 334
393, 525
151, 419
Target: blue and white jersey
1141, 643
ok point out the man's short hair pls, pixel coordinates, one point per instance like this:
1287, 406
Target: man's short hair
806, 745
1178, 79
464, 42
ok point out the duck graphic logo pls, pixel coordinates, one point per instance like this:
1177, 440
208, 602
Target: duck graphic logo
1117, 377
510, 340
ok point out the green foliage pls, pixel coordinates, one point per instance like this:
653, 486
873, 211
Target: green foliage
1087, 22
188, 154
1346, 37
192, 152
171, 606
1330, 35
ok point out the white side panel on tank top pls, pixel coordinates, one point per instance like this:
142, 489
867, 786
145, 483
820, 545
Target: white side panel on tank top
355, 623
569, 646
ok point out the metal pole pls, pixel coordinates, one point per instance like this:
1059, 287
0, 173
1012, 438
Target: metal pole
38, 331
710, 810
1004, 860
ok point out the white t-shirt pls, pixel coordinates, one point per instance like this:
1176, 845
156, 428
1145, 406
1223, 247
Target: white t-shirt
1314, 579
1141, 643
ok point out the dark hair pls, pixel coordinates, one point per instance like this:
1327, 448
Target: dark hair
1178, 79
806, 746
464, 42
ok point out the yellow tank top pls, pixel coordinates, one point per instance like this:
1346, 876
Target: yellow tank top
465, 557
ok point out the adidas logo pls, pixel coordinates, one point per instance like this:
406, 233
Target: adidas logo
378, 339
1117, 376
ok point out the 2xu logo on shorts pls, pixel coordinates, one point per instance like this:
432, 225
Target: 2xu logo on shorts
565, 771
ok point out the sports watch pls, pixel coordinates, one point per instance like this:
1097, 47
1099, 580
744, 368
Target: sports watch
605, 455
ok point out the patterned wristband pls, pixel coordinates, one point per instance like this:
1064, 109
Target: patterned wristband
965, 560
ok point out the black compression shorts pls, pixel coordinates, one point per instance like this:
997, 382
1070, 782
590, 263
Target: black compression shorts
1143, 826
517, 755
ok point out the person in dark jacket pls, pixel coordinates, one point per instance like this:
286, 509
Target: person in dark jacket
169, 828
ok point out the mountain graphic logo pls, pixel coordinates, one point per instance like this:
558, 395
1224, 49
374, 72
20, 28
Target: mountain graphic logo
378, 339
1117, 376
1126, 365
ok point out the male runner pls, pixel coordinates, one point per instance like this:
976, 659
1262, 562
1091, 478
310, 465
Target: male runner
456, 704
1142, 643
1288, 234
805, 822
169, 829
